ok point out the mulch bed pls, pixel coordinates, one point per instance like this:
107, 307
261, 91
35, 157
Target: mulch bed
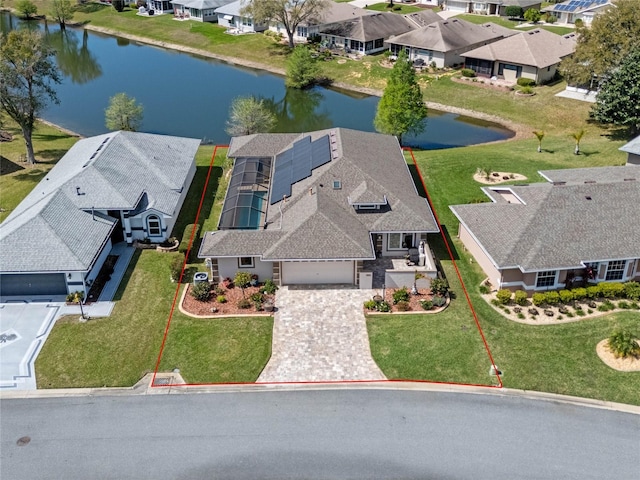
414, 300
230, 307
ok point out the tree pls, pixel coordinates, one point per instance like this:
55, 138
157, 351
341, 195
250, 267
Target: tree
27, 70
539, 135
118, 5
532, 15
123, 113
618, 100
78, 297
401, 109
513, 11
26, 8
577, 136
302, 68
613, 35
288, 13
249, 115
242, 280
62, 12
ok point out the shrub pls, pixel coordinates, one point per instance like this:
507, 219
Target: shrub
221, 299
513, 11
192, 228
439, 286
484, 289
526, 82
566, 296
218, 291
623, 344
634, 306
118, 5
426, 304
593, 291
579, 293
552, 298
402, 306
606, 306
383, 306
244, 303
507, 311
269, 287
624, 305
438, 301
538, 299
256, 297
504, 296
612, 290
580, 313
370, 304
467, 72
550, 18
632, 290
578, 22
520, 297
521, 316
27, 8
495, 302
526, 90
201, 291
176, 266
242, 279
400, 295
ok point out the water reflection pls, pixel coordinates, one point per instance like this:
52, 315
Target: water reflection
74, 58
299, 111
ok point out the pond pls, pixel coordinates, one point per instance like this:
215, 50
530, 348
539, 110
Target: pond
190, 96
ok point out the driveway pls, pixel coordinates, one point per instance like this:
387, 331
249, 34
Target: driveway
320, 335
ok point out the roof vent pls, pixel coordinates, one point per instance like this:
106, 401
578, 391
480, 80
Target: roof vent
588, 197
78, 192
337, 185
559, 183
589, 181
629, 179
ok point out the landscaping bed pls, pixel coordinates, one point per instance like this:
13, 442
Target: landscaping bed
232, 297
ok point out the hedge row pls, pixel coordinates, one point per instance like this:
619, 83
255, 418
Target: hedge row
630, 290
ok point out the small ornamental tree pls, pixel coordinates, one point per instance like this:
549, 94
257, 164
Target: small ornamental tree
242, 280
302, 69
123, 113
62, 12
539, 135
532, 15
249, 115
577, 136
623, 344
27, 8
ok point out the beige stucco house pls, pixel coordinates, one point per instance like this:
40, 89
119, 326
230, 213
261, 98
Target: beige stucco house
583, 225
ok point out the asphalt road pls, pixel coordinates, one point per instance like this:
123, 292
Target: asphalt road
377, 434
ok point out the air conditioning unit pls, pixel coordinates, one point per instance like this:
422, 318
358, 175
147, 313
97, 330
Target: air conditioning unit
199, 277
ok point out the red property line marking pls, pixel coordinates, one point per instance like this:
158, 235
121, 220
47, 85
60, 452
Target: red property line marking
184, 264
466, 294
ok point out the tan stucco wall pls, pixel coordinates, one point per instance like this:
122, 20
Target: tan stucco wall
479, 255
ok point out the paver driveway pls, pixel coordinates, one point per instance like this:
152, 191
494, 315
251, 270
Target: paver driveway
319, 335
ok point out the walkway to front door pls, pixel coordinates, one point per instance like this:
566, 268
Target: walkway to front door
320, 335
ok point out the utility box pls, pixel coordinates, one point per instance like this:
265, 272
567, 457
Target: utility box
199, 277
366, 280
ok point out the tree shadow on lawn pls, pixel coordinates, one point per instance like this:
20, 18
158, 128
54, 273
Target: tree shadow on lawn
33, 175
50, 156
278, 50
7, 166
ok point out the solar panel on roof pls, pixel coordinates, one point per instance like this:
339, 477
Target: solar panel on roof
320, 152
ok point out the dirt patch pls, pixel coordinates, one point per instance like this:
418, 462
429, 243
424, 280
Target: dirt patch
628, 364
498, 177
213, 307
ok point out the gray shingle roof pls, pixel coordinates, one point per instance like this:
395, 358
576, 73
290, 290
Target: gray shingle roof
538, 48
559, 226
447, 35
370, 27
114, 171
574, 176
632, 146
317, 222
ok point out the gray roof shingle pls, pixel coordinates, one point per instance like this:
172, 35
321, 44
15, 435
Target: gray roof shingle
370, 27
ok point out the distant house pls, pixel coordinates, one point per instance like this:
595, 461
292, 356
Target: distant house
198, 10
231, 16
312, 208
107, 189
366, 34
571, 10
443, 42
534, 54
333, 14
160, 6
489, 7
633, 151
582, 225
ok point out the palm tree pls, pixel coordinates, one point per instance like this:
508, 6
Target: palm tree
577, 136
539, 135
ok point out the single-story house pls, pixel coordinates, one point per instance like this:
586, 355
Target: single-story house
231, 16
366, 34
443, 42
160, 6
534, 54
571, 10
311, 208
489, 7
632, 149
120, 186
198, 10
580, 226
334, 13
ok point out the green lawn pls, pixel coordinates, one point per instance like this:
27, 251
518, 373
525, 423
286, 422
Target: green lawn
398, 8
480, 19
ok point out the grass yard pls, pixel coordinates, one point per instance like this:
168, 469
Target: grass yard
480, 19
399, 8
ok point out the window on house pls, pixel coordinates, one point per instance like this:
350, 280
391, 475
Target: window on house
546, 279
615, 269
399, 241
378, 43
245, 262
302, 32
154, 228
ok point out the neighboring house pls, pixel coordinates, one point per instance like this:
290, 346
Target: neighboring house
570, 11
160, 6
633, 151
198, 10
333, 14
116, 187
534, 54
366, 34
443, 42
311, 208
230, 15
582, 225
489, 7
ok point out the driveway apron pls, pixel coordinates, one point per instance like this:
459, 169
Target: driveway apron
319, 335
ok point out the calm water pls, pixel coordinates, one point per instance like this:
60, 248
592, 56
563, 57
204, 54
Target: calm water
190, 96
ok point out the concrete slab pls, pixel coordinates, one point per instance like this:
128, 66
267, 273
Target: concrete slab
574, 95
24, 327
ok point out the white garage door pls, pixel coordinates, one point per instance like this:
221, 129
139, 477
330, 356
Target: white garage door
317, 272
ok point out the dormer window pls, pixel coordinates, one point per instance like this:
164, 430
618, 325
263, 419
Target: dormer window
337, 185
